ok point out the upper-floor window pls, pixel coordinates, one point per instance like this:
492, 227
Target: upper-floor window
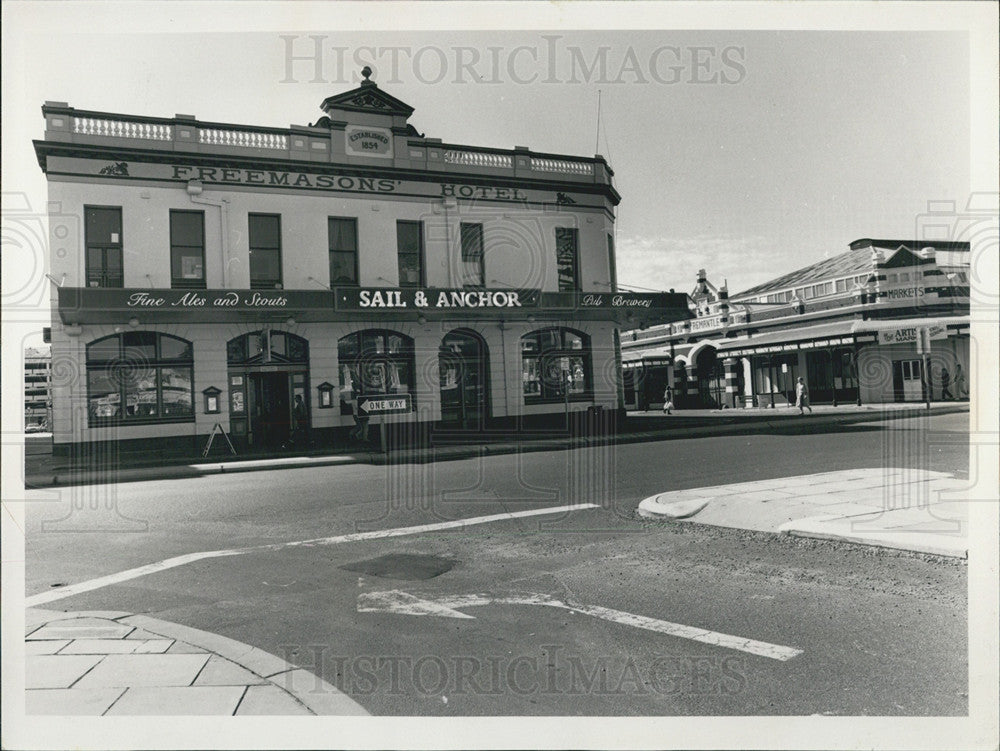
265, 251
103, 239
140, 376
473, 268
567, 259
343, 251
187, 249
410, 251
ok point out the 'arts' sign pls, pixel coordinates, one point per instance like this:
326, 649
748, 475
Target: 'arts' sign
911, 334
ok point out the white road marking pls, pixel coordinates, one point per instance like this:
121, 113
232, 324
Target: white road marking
378, 534
396, 601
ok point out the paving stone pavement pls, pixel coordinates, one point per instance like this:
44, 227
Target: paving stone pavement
116, 663
905, 509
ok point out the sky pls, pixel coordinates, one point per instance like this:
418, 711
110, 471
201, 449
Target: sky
748, 153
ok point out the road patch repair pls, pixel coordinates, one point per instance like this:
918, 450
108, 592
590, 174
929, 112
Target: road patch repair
904, 509
395, 601
115, 663
43, 598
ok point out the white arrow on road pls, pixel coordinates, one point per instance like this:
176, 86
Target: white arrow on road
396, 601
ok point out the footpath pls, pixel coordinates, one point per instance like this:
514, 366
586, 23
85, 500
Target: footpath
904, 509
114, 663
43, 469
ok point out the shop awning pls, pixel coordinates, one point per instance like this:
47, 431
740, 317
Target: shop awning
836, 334
891, 324
644, 358
824, 335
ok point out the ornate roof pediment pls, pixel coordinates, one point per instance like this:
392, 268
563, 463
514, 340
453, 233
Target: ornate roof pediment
368, 97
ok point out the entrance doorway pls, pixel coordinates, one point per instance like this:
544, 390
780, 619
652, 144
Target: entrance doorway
907, 380
268, 389
270, 409
711, 379
463, 368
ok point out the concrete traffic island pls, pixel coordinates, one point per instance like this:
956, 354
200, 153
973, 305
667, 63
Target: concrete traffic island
904, 509
115, 663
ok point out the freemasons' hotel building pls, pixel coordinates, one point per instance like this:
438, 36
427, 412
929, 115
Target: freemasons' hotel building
271, 280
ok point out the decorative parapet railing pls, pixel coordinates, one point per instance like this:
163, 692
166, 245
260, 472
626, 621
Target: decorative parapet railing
95, 126
563, 166
316, 144
251, 139
479, 159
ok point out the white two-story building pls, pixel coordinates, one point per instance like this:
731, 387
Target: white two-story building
282, 280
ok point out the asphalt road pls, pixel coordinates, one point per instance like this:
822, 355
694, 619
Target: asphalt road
880, 633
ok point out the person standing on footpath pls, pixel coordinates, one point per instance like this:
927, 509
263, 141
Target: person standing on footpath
300, 422
802, 396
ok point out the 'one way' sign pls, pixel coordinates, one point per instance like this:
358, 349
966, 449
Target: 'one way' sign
385, 404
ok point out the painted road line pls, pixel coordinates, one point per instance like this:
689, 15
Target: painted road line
378, 534
396, 601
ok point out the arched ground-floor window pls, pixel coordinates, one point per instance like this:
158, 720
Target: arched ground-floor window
140, 377
556, 365
374, 362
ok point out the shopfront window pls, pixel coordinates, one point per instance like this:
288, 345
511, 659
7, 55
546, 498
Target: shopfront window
140, 377
374, 362
555, 363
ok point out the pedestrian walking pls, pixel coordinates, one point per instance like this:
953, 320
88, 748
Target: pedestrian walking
961, 389
802, 396
360, 430
668, 400
945, 385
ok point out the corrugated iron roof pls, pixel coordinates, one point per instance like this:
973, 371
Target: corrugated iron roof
843, 264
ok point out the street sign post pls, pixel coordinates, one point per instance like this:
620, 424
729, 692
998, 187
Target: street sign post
924, 350
385, 405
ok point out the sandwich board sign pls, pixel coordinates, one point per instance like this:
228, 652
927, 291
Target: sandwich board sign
385, 405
